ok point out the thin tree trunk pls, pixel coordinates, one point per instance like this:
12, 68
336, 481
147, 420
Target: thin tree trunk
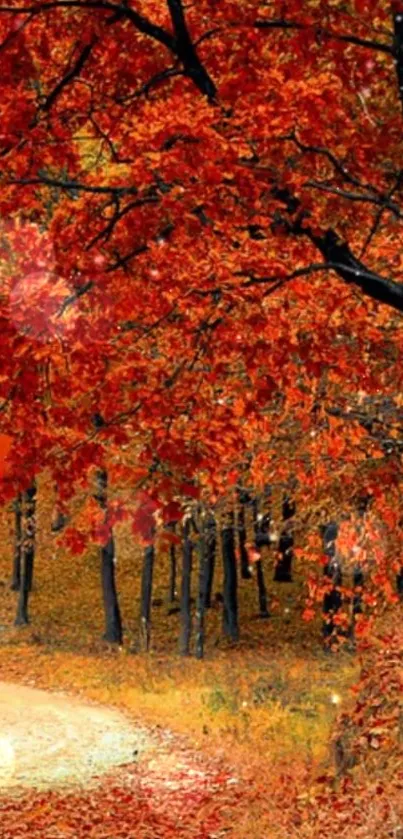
356, 604
113, 621
173, 566
146, 596
186, 616
22, 617
59, 519
399, 582
260, 540
332, 600
30, 530
230, 590
210, 528
283, 569
27, 555
242, 538
16, 578
201, 595
358, 584
262, 591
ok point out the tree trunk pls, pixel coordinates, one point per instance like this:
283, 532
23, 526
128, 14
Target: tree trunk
16, 578
399, 582
283, 569
113, 621
356, 604
230, 590
173, 566
358, 584
30, 532
27, 555
242, 538
201, 595
146, 595
261, 528
210, 535
332, 600
186, 616
22, 617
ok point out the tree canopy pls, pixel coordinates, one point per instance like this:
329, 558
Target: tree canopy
201, 221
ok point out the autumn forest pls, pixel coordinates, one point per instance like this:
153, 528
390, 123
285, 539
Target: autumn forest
201, 419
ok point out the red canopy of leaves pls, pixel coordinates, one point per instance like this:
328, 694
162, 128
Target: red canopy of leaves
203, 213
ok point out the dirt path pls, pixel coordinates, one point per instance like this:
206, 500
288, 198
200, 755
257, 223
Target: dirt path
52, 739
67, 770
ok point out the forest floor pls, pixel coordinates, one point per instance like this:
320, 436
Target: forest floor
213, 739
233, 745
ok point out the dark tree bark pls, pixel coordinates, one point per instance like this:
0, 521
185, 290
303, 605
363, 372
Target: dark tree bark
173, 566
59, 521
201, 594
113, 622
261, 528
398, 50
27, 555
186, 614
332, 600
30, 532
210, 535
363, 503
358, 584
230, 590
146, 596
242, 538
16, 578
399, 582
339, 257
22, 617
283, 569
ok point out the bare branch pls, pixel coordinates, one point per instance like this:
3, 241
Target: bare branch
75, 186
69, 76
141, 23
381, 201
320, 32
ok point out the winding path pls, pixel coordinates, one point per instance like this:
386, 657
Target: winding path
71, 769
52, 739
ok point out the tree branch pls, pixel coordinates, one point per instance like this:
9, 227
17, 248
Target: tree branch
339, 254
75, 186
281, 23
352, 270
398, 51
380, 201
69, 76
141, 23
180, 44
186, 51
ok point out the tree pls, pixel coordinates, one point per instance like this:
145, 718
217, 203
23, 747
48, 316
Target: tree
113, 622
187, 567
203, 245
27, 555
16, 578
230, 589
